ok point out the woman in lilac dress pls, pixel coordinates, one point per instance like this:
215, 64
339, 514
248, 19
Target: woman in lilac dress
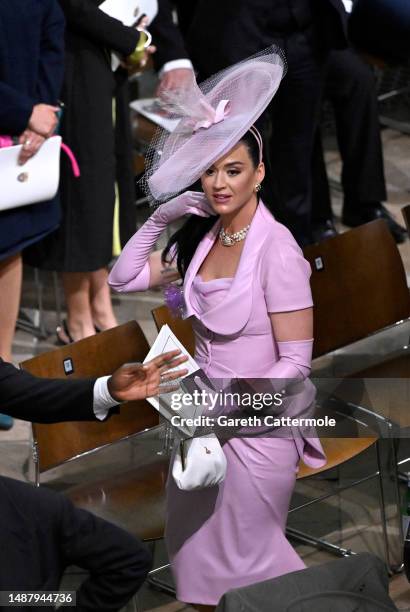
246, 290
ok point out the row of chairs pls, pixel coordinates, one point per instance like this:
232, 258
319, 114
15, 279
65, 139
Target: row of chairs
359, 288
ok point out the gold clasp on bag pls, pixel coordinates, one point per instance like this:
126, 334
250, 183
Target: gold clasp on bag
22, 177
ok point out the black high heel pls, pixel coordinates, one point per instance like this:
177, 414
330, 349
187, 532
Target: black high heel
63, 328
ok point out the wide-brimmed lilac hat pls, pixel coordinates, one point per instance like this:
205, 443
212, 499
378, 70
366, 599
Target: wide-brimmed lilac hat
213, 118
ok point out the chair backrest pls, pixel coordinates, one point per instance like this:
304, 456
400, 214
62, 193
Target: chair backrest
92, 357
359, 286
182, 328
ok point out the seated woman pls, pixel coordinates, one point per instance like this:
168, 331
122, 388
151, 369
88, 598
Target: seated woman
246, 289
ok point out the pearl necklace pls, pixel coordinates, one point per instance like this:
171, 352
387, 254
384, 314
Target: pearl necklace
231, 239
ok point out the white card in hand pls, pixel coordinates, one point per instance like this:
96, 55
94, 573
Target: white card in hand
149, 108
167, 341
129, 11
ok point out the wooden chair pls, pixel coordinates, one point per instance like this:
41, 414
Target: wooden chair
359, 288
133, 499
406, 215
182, 328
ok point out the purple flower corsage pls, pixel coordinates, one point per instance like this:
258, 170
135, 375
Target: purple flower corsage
174, 299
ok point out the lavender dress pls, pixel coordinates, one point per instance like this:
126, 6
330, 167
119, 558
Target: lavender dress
233, 535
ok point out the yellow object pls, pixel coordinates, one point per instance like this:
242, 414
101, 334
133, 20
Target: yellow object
116, 242
138, 54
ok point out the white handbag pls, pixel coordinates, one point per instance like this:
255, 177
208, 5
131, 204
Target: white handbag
36, 181
199, 463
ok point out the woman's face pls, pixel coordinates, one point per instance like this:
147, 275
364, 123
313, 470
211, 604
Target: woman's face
229, 184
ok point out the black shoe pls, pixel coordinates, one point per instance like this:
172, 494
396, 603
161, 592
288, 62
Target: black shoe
371, 211
64, 338
323, 230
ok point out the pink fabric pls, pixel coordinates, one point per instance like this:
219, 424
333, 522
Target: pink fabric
233, 535
219, 114
188, 151
295, 357
131, 270
6, 141
259, 140
71, 156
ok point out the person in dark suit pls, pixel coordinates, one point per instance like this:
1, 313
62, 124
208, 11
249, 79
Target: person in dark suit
171, 59
42, 533
31, 74
47, 400
350, 88
306, 31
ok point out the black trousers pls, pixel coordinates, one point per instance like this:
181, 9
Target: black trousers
350, 87
294, 115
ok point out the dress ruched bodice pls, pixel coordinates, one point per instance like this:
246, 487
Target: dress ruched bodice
249, 353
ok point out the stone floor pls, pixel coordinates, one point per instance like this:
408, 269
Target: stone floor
350, 518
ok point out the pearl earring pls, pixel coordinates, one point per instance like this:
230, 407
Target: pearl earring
258, 187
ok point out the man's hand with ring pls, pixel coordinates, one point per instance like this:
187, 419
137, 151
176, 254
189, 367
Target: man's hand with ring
31, 142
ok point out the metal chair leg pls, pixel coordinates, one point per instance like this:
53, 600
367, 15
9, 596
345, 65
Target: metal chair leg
389, 492
159, 584
57, 298
305, 538
24, 322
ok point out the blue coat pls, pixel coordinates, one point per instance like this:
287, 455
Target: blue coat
31, 71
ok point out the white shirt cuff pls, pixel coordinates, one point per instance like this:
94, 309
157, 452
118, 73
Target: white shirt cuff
173, 65
102, 399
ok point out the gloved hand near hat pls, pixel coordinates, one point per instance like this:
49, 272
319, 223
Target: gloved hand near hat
131, 271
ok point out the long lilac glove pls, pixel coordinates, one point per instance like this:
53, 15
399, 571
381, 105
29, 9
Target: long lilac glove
295, 357
287, 377
131, 271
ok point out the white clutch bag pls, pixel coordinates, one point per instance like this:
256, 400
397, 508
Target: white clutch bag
199, 463
36, 181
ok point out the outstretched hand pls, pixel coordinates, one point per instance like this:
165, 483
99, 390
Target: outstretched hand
135, 381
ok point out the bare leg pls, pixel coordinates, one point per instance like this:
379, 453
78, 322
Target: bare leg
100, 299
11, 273
77, 296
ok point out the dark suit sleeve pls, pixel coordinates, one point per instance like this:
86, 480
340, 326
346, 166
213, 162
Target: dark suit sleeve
44, 400
51, 68
166, 36
117, 562
46, 533
84, 17
15, 110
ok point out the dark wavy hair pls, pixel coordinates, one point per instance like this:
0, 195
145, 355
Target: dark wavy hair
188, 237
